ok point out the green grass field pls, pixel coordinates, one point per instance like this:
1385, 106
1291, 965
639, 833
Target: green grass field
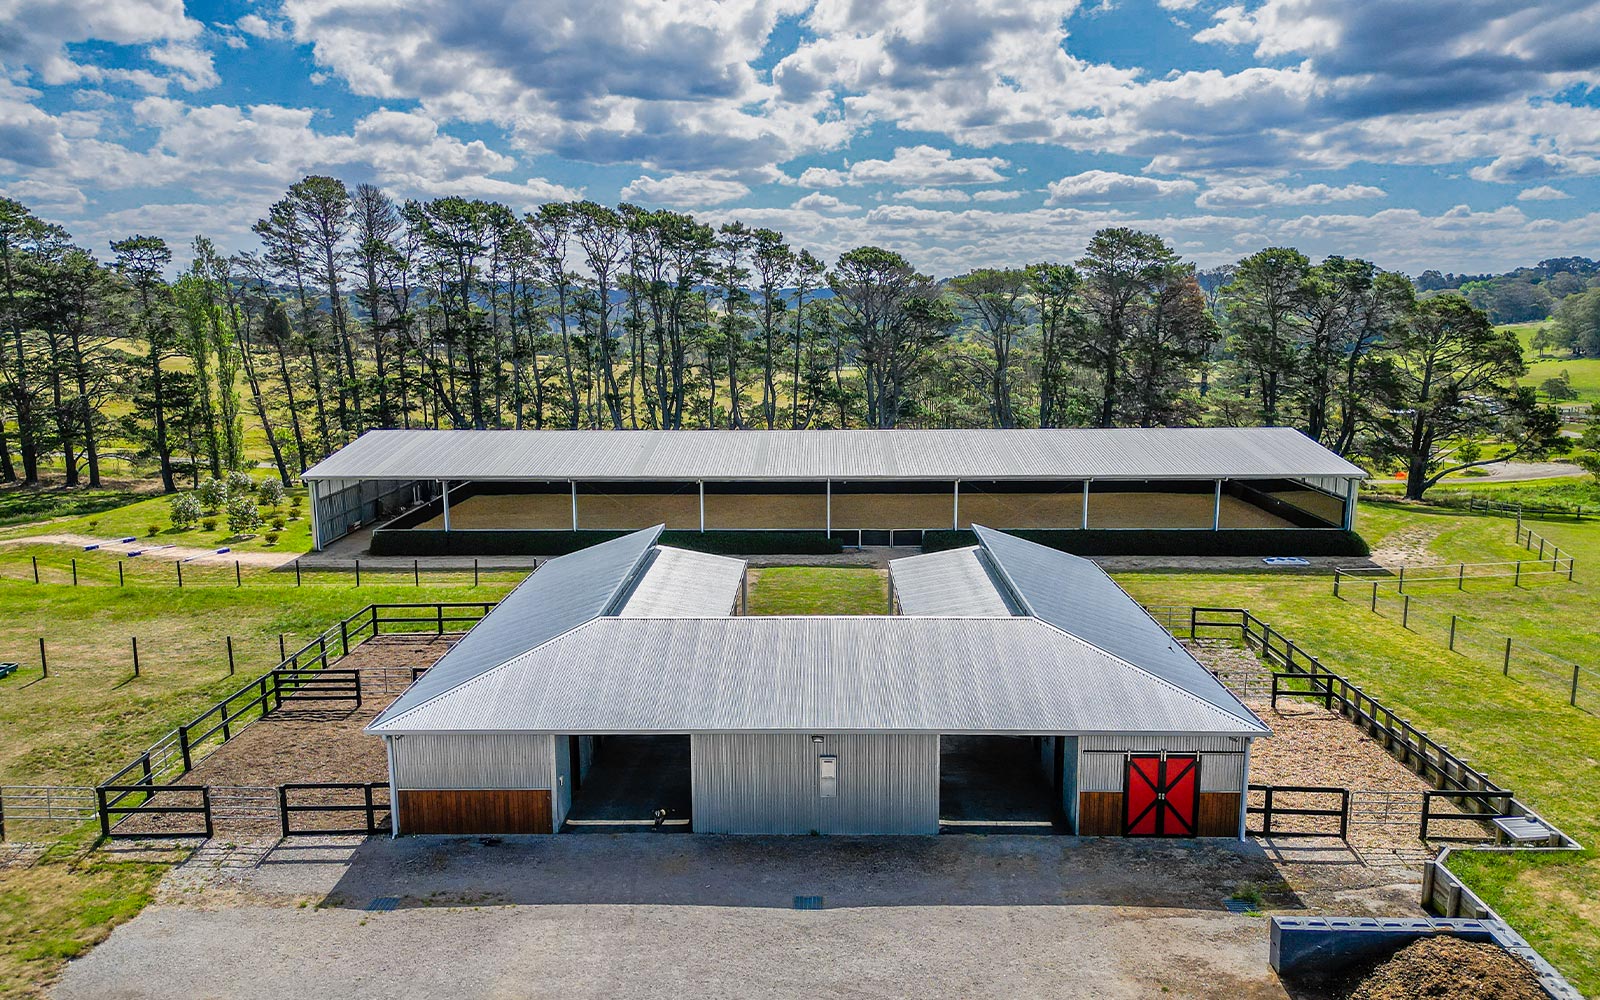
137, 518
1585, 372
819, 590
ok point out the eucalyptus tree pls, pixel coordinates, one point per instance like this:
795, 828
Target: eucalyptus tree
995, 301
552, 227
25, 241
808, 274
77, 318
601, 236
1167, 345
322, 210
1264, 320
287, 253
252, 305
735, 241
142, 260
1054, 290
375, 224
893, 317
773, 261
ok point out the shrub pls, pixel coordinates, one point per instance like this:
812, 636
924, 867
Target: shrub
154, 530
271, 537
94, 524
209, 523
243, 515
240, 484
185, 510
270, 492
213, 494
277, 522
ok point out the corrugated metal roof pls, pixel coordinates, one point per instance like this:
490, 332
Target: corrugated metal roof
817, 674
956, 582
1076, 596
1122, 453
565, 592
677, 583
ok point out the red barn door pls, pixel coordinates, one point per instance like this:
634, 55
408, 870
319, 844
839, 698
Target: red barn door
1161, 795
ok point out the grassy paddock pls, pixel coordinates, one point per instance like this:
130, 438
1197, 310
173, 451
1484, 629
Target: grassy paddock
1522, 734
819, 590
138, 517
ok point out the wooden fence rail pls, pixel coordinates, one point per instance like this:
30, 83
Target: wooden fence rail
368, 806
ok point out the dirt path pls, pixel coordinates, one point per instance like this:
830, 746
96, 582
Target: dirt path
1516, 472
158, 551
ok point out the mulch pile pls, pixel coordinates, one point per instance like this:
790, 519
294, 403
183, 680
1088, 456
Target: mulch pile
1449, 967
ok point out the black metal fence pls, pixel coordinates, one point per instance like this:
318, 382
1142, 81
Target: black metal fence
1481, 804
367, 804
145, 800
1273, 811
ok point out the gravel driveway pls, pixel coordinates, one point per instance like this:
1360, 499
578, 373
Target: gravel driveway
638, 915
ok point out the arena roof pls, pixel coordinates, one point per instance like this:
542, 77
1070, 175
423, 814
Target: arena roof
1123, 453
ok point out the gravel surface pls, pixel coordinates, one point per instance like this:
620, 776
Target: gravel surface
638, 915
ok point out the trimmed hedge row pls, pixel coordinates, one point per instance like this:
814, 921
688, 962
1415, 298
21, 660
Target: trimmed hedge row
1172, 542
510, 542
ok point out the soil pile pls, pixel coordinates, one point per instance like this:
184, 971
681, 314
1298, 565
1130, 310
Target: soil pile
1450, 967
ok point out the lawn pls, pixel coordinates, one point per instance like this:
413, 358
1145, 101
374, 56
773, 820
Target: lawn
1523, 734
137, 518
819, 590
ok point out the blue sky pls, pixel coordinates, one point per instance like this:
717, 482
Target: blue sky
1462, 135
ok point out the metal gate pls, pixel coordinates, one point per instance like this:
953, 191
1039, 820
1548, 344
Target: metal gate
54, 805
244, 808
1161, 795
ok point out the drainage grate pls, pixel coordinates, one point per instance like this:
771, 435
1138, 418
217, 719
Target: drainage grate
383, 904
1238, 906
808, 902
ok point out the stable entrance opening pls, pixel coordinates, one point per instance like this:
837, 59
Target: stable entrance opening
996, 784
628, 779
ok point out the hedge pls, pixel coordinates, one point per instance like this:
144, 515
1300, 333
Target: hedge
1174, 542
511, 542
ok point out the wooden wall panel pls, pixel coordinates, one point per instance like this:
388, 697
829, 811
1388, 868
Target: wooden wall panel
1100, 814
475, 811
1219, 814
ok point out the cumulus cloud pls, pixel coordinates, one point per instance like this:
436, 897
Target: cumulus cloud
933, 194
923, 165
1097, 186
1543, 192
824, 204
996, 194
37, 36
1525, 167
683, 190
1256, 194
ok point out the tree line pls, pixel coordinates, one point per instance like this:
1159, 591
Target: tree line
361, 312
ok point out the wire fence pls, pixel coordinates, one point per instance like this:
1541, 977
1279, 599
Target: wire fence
1483, 505
1476, 640
93, 569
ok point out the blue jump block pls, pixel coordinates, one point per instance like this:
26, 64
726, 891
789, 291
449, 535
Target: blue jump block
91, 548
130, 538
225, 549
136, 552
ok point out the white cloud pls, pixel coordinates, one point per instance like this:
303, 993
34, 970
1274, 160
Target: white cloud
1543, 192
35, 36
1255, 194
1524, 167
824, 204
1099, 186
257, 26
995, 194
933, 194
922, 165
683, 190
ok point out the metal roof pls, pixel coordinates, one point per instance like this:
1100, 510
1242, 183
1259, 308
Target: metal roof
565, 592
1121, 453
678, 583
817, 674
1076, 596
955, 582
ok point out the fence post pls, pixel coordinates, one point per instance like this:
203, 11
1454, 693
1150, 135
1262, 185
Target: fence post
230, 656
1541, 548
120, 581
101, 808
1193, 616
135, 656
297, 572
1505, 670
180, 574
416, 574
1570, 561
1516, 579
205, 803
1452, 633
344, 636
474, 572
1374, 607
358, 572
238, 579
1573, 701
1402, 579
283, 809
35, 569
44, 661
1344, 814
183, 746
75, 572
1461, 577
372, 819
439, 610
1266, 822
282, 653
1336, 574
1405, 613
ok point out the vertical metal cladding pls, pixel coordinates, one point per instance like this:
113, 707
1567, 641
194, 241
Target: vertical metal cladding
769, 783
561, 750
1221, 760
473, 760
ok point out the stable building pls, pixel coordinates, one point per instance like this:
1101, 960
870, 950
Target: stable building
1008, 663
452, 490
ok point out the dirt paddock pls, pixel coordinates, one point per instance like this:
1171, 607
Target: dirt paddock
311, 741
